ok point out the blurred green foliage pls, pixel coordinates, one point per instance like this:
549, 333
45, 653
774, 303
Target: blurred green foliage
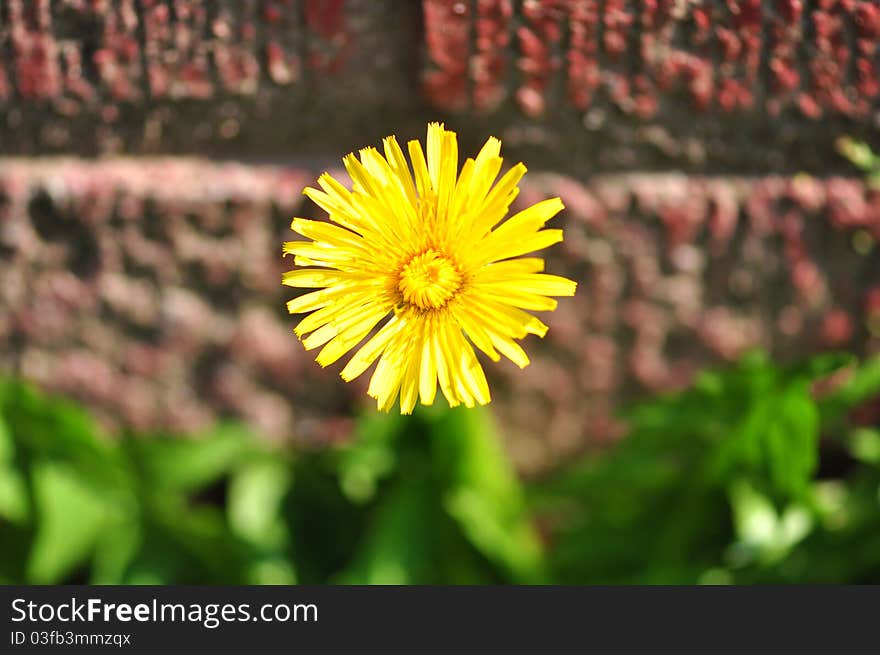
723, 483
748, 476
431, 499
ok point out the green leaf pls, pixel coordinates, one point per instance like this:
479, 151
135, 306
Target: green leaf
818, 366
862, 384
764, 534
117, 548
483, 493
185, 464
255, 495
14, 503
70, 520
7, 447
773, 428
865, 445
45, 427
792, 441
184, 543
399, 547
371, 456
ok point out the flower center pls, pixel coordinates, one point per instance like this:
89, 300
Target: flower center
429, 280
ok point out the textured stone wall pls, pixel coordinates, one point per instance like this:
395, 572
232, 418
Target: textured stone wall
245, 78
150, 289
576, 85
676, 132
724, 85
814, 58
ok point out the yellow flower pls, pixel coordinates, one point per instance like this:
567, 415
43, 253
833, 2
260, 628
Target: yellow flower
428, 251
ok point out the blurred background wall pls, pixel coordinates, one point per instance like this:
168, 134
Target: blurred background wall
154, 152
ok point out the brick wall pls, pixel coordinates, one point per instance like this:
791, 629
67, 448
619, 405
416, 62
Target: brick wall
150, 290
146, 284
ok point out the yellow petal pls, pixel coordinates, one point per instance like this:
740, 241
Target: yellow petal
475, 331
398, 164
516, 247
350, 336
368, 353
428, 370
307, 278
512, 267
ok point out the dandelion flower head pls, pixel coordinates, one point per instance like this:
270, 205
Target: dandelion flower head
421, 265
